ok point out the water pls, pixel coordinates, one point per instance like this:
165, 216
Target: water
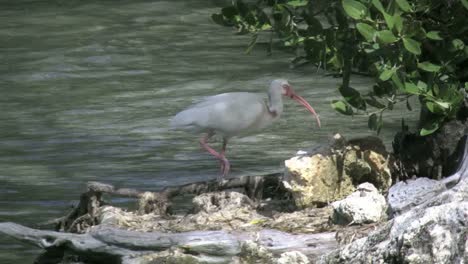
87, 90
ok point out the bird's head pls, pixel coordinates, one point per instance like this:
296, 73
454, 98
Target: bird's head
287, 90
283, 86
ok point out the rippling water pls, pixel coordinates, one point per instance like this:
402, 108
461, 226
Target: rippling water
87, 90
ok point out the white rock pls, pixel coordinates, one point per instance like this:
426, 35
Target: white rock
434, 232
366, 205
293, 257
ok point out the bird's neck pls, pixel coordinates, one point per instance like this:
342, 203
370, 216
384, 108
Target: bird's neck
275, 104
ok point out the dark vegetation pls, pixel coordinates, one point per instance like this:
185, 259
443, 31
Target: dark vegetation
411, 49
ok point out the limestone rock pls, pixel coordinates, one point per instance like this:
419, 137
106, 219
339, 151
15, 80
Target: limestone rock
316, 179
379, 174
432, 232
222, 210
252, 252
404, 195
293, 257
366, 205
239, 214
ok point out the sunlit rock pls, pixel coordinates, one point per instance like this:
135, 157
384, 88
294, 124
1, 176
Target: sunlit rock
315, 180
320, 177
366, 205
293, 257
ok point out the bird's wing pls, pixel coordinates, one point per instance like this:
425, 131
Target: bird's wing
227, 98
227, 113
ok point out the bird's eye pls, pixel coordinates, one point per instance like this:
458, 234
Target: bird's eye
286, 89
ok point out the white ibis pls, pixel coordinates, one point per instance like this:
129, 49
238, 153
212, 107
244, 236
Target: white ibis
235, 114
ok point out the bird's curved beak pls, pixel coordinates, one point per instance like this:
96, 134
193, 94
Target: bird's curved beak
303, 102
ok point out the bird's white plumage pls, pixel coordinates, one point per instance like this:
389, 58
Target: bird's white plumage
235, 114
228, 114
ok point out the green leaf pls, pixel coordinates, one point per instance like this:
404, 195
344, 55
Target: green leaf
372, 122
353, 97
366, 31
408, 106
378, 5
372, 101
404, 5
434, 35
390, 20
297, 3
429, 67
412, 45
414, 28
250, 18
437, 107
386, 36
411, 88
398, 22
458, 44
387, 74
380, 123
435, 89
444, 105
315, 27
342, 107
396, 80
354, 9
229, 12
444, 77
219, 19
422, 85
429, 128
465, 3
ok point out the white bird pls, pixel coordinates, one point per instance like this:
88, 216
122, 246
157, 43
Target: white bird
235, 114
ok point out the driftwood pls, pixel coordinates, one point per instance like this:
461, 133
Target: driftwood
115, 245
83, 215
252, 185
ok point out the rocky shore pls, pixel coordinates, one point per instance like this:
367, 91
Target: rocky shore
335, 204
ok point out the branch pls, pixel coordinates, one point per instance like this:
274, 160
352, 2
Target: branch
114, 242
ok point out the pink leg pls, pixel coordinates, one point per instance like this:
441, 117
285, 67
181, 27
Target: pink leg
224, 162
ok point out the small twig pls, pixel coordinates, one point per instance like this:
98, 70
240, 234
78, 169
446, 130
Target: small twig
75, 223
